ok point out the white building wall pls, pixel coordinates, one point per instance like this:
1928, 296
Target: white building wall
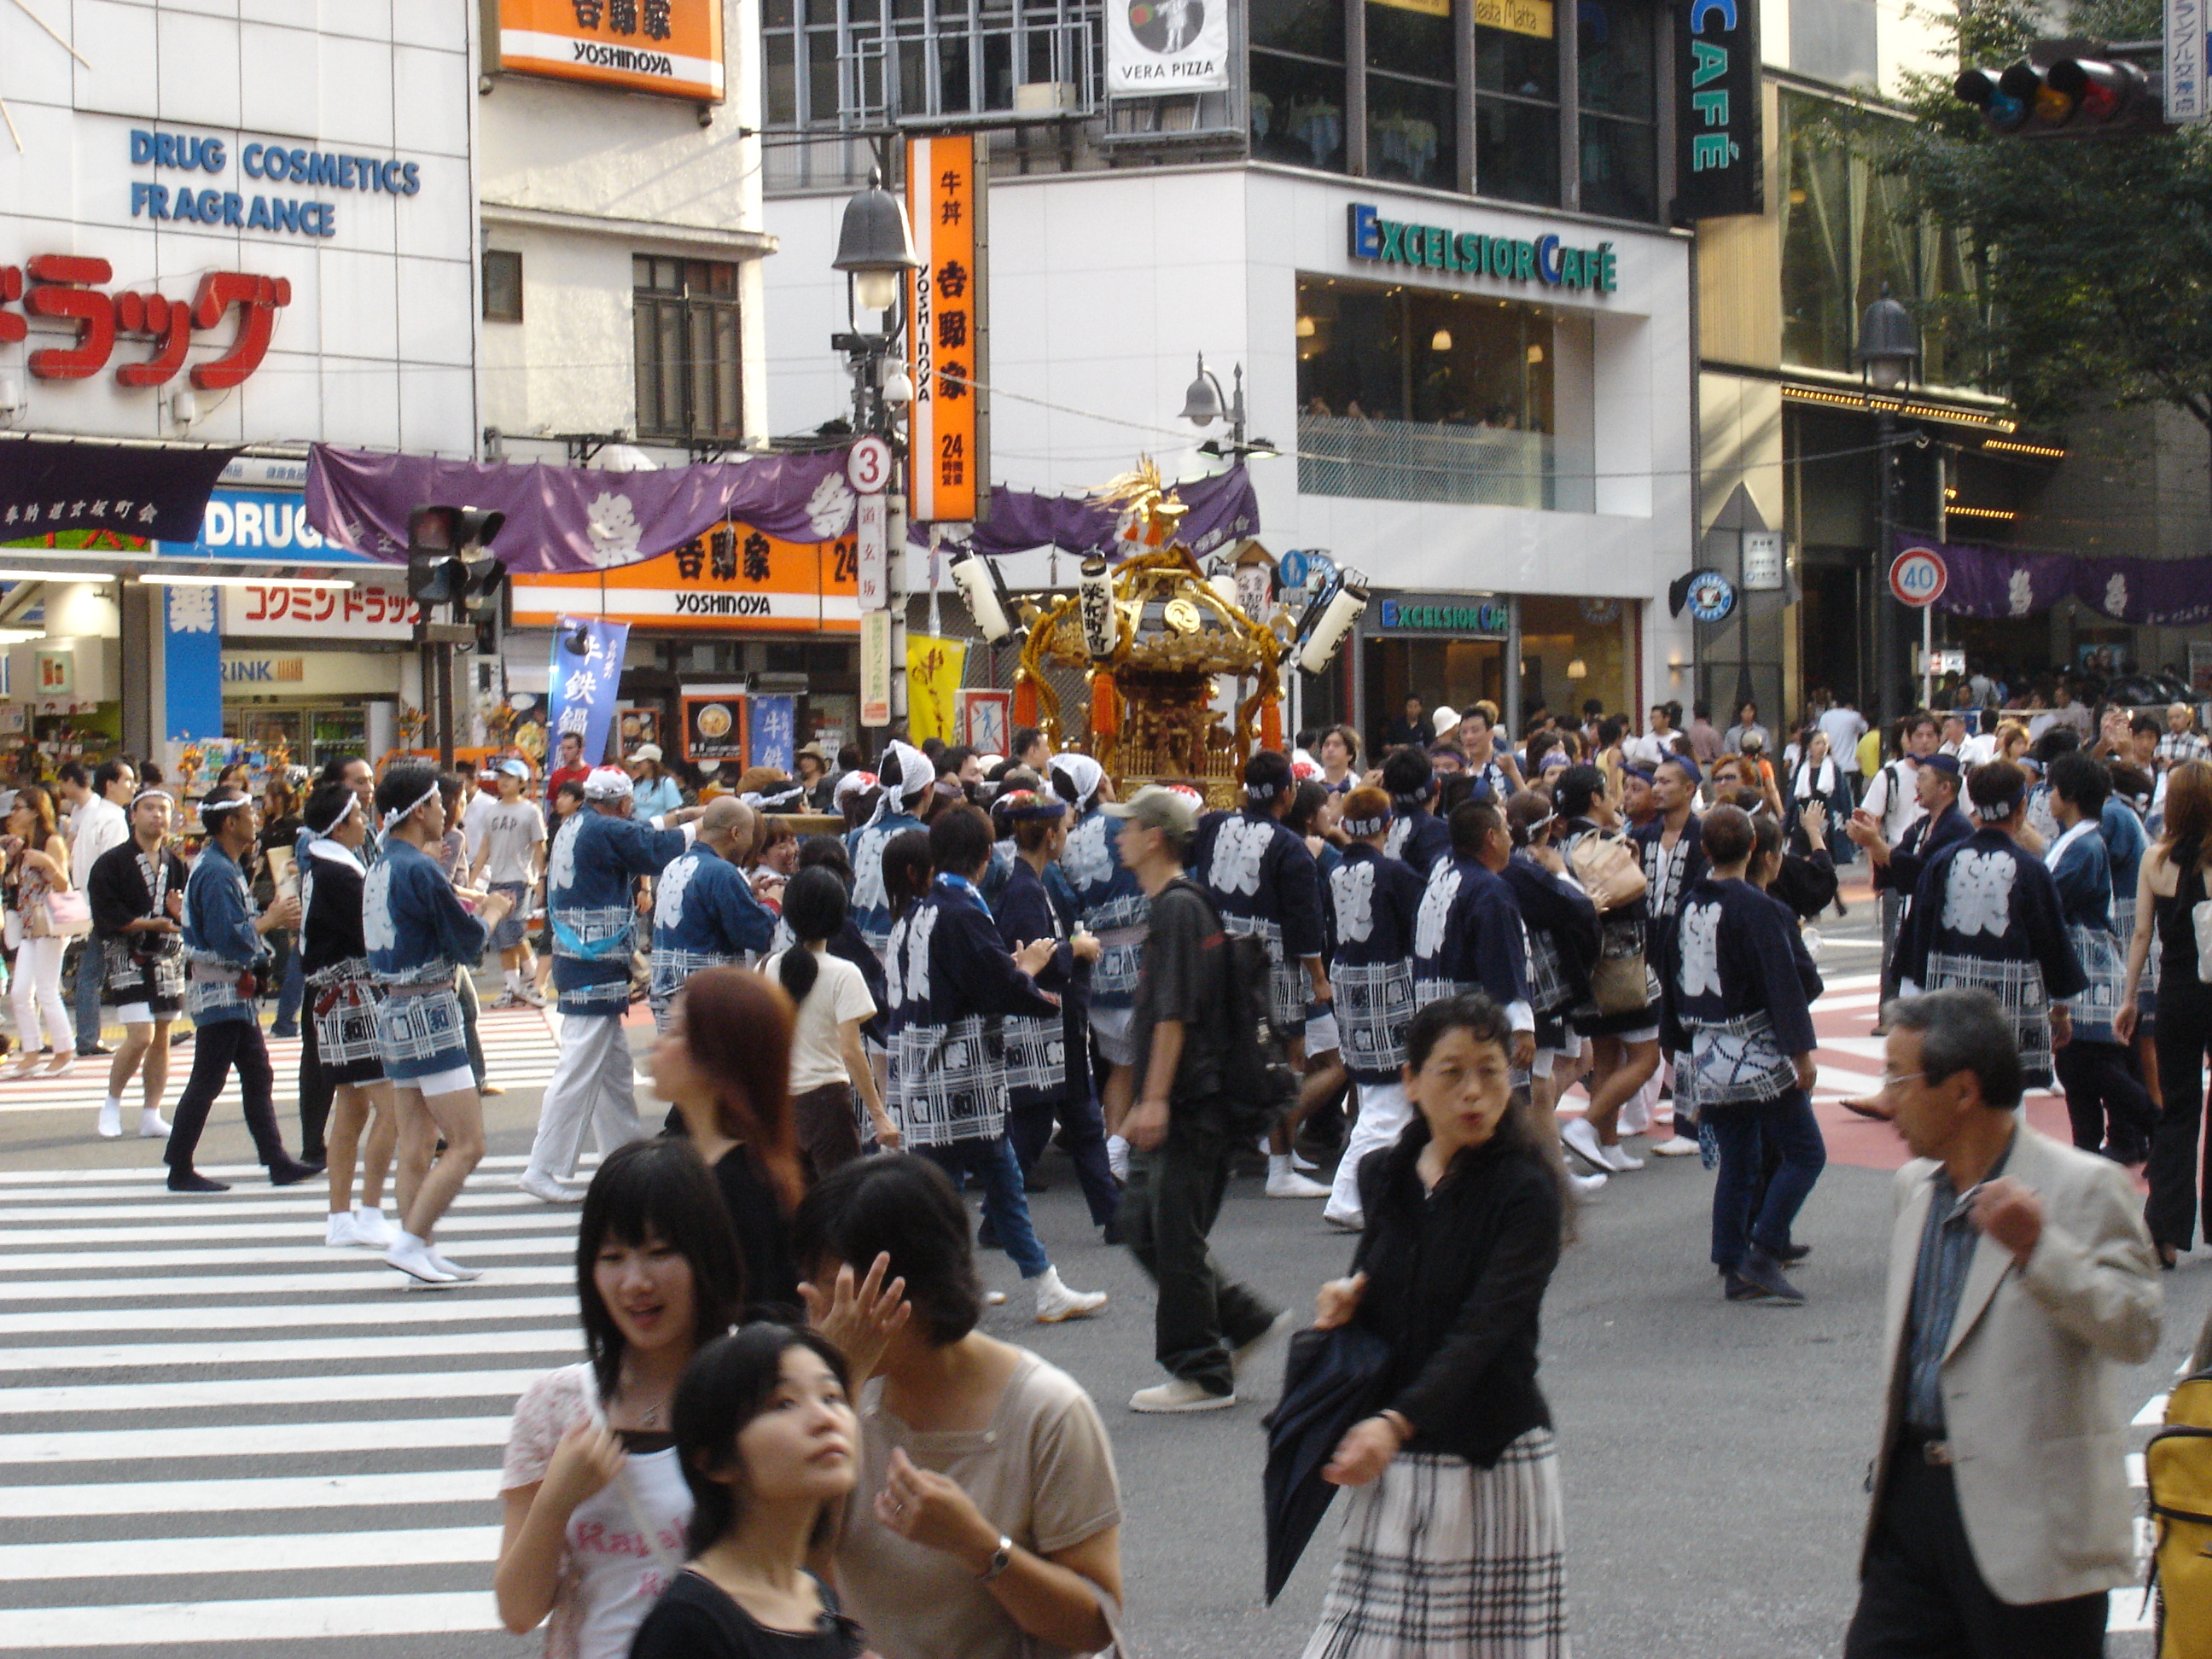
375, 348
1104, 287
579, 178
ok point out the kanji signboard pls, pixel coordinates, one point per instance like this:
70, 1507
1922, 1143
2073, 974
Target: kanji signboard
733, 579
673, 47
946, 334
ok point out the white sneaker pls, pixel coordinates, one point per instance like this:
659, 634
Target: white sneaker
1619, 1160
1586, 1184
111, 1119
1289, 1183
1680, 1147
1117, 1158
371, 1229
530, 996
1345, 1223
544, 1187
1179, 1394
152, 1126
1303, 1164
454, 1270
339, 1232
1579, 1136
412, 1257
1055, 1302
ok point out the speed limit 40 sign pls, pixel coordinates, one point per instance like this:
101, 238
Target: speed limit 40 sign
1919, 575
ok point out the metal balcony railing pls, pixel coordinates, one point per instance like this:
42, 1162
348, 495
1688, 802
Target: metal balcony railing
1417, 461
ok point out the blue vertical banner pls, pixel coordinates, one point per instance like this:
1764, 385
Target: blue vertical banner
192, 665
581, 692
772, 722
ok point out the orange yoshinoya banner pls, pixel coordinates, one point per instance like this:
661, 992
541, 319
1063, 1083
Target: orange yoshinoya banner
731, 578
673, 47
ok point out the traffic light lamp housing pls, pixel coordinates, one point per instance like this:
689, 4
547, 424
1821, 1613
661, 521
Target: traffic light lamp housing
439, 568
2063, 89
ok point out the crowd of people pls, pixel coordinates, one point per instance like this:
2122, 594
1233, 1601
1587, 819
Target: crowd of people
787, 1389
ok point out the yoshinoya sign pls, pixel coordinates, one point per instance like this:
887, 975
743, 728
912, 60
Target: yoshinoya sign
671, 47
1547, 259
1167, 46
1445, 613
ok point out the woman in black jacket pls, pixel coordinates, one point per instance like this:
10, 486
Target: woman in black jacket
1456, 1541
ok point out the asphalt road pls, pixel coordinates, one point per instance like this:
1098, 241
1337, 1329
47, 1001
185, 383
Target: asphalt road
345, 1481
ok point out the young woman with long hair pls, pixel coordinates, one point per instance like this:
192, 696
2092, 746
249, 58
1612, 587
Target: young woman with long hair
724, 1063
1456, 1527
766, 1438
38, 864
2172, 882
829, 1068
596, 1502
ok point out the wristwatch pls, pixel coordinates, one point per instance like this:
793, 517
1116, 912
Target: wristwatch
1001, 1558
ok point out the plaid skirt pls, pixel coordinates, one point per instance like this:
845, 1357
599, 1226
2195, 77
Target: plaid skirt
344, 1003
421, 1034
1442, 1560
2107, 970
2018, 987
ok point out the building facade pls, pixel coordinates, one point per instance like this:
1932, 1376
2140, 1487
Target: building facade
1431, 238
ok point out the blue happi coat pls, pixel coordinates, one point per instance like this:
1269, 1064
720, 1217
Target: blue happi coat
871, 906
2081, 866
704, 915
412, 921
1260, 878
951, 984
1564, 935
1042, 1051
1467, 936
1417, 835
1736, 1002
1374, 900
1109, 903
1986, 914
595, 858
219, 936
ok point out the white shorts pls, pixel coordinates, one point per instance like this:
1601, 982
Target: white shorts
140, 1013
1641, 1034
450, 1081
1321, 1031
1109, 1027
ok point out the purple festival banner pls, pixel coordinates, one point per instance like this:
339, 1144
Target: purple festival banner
1222, 509
573, 518
2003, 581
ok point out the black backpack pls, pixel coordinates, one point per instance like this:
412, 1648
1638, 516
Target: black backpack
1258, 1087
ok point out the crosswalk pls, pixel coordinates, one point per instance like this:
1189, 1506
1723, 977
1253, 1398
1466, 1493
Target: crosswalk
520, 1048
214, 1429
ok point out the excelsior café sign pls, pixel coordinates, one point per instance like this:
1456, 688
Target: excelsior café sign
1547, 259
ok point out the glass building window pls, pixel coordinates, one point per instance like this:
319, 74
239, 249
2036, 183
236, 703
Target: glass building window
1297, 92
502, 285
1413, 109
1616, 54
684, 319
1414, 394
860, 63
1516, 102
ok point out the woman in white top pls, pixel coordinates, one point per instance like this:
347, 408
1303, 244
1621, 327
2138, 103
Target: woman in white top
596, 1504
828, 1066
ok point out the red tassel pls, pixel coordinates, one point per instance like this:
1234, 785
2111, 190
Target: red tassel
1105, 704
1271, 724
1025, 701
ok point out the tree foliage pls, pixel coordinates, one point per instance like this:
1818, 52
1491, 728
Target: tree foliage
2094, 256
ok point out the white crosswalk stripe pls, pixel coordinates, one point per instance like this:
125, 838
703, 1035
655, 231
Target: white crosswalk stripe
518, 1045
216, 1430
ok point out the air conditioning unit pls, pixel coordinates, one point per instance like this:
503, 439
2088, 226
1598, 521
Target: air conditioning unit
1043, 97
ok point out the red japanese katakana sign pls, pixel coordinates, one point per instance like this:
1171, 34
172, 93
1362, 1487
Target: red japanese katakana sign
71, 288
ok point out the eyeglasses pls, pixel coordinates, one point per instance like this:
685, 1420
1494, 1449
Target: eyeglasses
1891, 1079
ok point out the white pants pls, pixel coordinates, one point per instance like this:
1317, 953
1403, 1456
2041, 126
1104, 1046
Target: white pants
1384, 1112
594, 1084
38, 989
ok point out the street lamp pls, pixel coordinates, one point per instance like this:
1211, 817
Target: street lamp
875, 244
1203, 404
1888, 354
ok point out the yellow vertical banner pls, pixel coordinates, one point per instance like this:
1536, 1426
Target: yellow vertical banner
933, 672
945, 344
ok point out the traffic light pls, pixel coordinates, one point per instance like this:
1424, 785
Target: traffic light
2060, 91
440, 567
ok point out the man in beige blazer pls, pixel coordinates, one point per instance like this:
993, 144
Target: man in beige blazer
2021, 1282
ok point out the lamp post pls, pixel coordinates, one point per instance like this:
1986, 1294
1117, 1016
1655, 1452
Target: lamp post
1888, 354
1204, 404
875, 250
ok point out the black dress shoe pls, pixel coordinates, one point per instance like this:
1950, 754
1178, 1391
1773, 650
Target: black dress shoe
192, 1180
1763, 1275
1791, 1254
290, 1172
94, 1048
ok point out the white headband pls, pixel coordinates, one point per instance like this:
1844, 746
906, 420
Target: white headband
608, 783
400, 814
215, 809
352, 806
149, 794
